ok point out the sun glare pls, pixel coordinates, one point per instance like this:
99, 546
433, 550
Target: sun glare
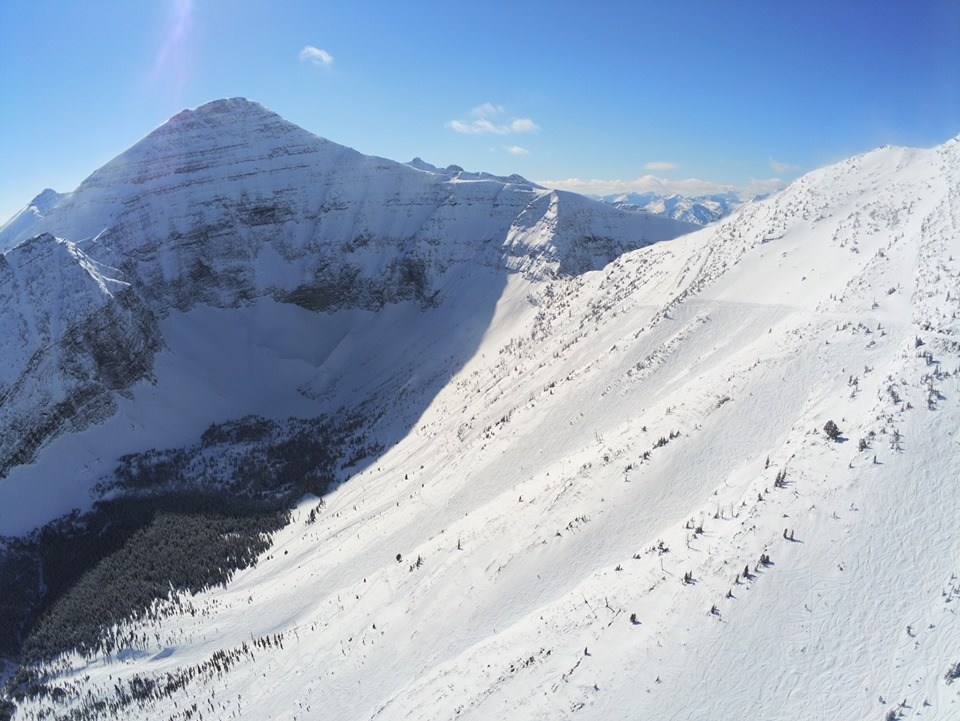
171, 66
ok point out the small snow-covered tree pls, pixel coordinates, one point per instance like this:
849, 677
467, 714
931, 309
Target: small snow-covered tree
833, 433
953, 673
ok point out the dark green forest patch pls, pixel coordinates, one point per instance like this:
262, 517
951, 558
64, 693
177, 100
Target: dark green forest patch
169, 522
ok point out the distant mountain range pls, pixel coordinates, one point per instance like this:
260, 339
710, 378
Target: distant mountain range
700, 210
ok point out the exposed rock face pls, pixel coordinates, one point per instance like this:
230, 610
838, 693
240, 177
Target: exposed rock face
229, 203
72, 335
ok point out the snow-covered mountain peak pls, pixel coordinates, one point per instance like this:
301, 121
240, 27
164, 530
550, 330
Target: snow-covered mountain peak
220, 134
234, 107
245, 114
23, 222
421, 164
46, 200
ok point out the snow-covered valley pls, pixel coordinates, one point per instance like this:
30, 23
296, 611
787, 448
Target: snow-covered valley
601, 488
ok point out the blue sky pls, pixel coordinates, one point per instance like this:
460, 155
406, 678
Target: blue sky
682, 96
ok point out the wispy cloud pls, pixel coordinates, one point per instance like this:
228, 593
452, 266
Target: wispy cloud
516, 150
523, 125
482, 126
783, 168
317, 56
660, 165
486, 110
690, 187
490, 119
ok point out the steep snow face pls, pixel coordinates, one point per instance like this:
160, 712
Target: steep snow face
613, 434
229, 206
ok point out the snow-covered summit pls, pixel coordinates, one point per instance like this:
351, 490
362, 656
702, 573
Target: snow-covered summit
46, 201
21, 224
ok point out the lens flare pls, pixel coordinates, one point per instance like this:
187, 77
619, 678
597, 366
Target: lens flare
172, 62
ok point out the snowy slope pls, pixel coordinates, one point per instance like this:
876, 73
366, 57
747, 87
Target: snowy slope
559, 480
231, 207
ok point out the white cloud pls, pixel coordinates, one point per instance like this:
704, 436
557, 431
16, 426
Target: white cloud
516, 150
689, 186
783, 168
523, 125
316, 56
486, 110
660, 165
487, 121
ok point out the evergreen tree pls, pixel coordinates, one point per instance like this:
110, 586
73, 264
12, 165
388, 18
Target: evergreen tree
833, 433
